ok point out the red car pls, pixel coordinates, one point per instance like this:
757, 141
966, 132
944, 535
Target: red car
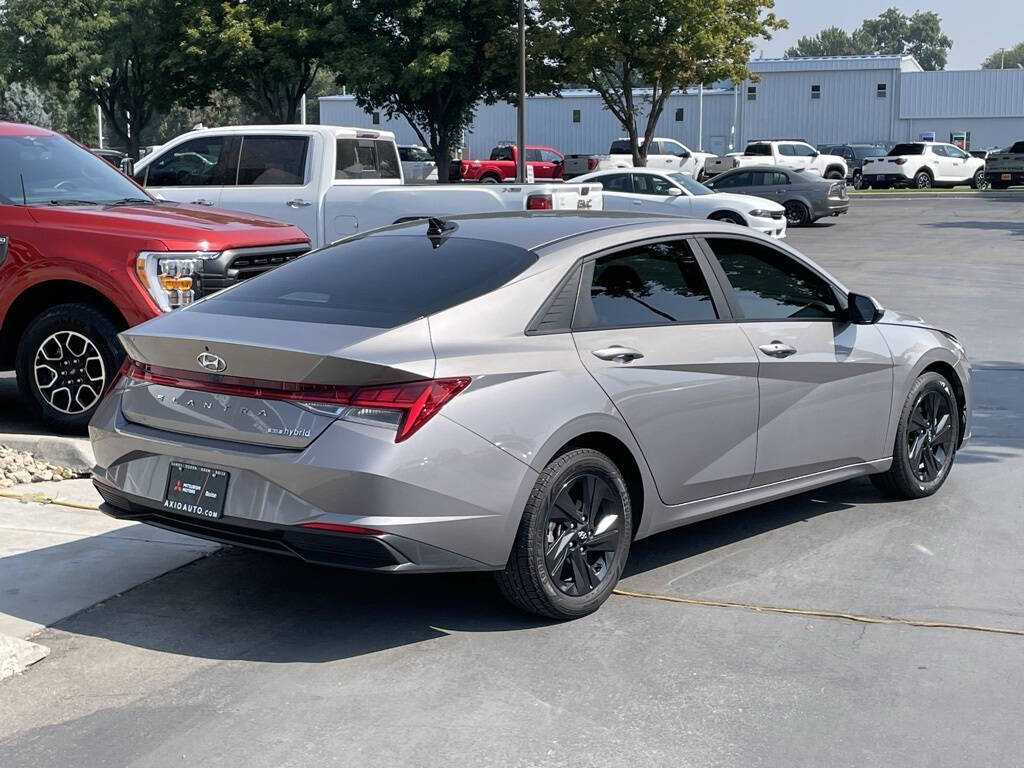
545, 161
86, 253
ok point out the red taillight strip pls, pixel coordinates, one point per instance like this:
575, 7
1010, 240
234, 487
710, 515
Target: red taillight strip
342, 528
419, 401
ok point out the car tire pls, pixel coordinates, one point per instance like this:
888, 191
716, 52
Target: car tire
489, 179
922, 180
728, 217
555, 551
921, 461
858, 180
834, 175
978, 180
77, 345
797, 214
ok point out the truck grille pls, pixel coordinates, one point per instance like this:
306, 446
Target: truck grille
238, 264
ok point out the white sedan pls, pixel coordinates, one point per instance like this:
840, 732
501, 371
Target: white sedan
652, 190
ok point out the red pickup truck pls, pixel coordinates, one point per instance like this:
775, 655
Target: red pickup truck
546, 163
86, 253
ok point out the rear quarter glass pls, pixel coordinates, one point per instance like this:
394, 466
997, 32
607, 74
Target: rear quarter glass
375, 282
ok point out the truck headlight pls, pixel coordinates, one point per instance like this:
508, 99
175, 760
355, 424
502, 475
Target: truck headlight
171, 277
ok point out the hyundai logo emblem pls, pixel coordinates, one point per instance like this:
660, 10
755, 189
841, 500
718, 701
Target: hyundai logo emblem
211, 362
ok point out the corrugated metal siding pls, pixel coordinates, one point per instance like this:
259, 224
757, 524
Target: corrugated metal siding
968, 93
831, 63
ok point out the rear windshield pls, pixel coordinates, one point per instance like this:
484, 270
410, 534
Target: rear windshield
1018, 147
376, 282
367, 159
502, 153
861, 152
759, 149
906, 149
621, 147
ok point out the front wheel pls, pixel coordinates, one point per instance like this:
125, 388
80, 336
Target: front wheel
834, 175
65, 361
978, 181
858, 180
728, 217
573, 538
926, 440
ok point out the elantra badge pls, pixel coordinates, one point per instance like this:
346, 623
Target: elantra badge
211, 362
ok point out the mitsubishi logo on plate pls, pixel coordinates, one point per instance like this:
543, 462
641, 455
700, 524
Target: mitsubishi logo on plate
211, 362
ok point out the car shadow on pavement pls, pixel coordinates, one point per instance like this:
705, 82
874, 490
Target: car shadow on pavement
1014, 228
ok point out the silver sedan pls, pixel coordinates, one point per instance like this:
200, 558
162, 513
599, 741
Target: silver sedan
525, 394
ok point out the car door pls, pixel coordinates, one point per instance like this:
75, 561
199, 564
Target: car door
654, 332
938, 161
677, 157
617, 191
194, 171
541, 168
736, 181
554, 161
653, 194
959, 163
762, 185
275, 180
825, 384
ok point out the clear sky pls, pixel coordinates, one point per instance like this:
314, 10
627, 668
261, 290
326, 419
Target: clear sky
977, 27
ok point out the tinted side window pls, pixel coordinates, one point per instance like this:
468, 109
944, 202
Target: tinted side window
776, 177
769, 285
741, 179
940, 151
533, 156
366, 159
272, 160
788, 150
650, 285
618, 182
201, 162
803, 150
377, 282
649, 184
550, 157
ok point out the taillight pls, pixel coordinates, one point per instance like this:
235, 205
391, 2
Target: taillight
122, 372
539, 203
900, 161
405, 406
591, 163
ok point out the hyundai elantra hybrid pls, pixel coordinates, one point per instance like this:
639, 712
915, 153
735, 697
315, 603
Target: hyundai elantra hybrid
525, 394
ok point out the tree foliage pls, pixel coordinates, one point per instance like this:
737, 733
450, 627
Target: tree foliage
1010, 58
123, 55
891, 32
634, 53
24, 103
267, 52
432, 62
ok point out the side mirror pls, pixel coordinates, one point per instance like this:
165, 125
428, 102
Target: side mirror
864, 310
674, 191
685, 155
127, 166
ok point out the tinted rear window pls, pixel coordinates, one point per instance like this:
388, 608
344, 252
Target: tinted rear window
366, 159
906, 149
377, 282
1018, 147
621, 147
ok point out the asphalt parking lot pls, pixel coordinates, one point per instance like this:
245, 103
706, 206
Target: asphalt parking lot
243, 658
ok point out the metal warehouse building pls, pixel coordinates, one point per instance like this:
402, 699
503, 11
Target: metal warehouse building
822, 100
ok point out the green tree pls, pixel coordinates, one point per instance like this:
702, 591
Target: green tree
23, 103
432, 62
123, 55
891, 32
1009, 58
635, 53
268, 52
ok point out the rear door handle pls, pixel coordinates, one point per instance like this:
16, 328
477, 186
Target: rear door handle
777, 349
298, 203
202, 201
618, 353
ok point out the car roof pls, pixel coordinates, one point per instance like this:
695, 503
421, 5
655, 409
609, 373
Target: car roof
632, 169
21, 129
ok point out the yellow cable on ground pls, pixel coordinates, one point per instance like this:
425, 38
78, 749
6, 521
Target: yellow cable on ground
38, 498
820, 614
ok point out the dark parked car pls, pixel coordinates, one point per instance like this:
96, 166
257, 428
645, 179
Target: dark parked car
854, 155
806, 196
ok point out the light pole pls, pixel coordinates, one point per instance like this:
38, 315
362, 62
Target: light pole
521, 111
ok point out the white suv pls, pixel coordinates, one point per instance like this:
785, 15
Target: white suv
924, 164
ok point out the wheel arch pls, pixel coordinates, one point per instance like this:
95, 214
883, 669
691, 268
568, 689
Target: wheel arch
43, 296
717, 215
835, 168
927, 170
947, 371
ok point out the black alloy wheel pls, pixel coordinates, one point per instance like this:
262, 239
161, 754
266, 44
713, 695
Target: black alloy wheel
929, 435
797, 214
858, 180
583, 526
923, 180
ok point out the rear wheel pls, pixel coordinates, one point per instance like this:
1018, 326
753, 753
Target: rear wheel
488, 178
573, 539
926, 440
923, 180
797, 214
65, 361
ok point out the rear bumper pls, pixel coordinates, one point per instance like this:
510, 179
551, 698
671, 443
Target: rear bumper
443, 500
834, 207
893, 179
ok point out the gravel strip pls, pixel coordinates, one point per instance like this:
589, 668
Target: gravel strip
19, 467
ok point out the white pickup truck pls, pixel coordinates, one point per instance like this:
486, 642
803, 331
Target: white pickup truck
787, 153
666, 153
329, 180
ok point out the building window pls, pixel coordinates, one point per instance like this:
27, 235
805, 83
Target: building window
576, 116
815, 91
375, 118
751, 93
679, 115
880, 91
